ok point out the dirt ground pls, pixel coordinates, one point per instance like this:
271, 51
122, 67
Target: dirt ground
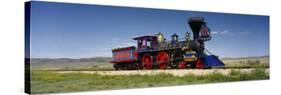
173, 72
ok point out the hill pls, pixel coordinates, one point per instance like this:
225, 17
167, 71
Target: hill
59, 63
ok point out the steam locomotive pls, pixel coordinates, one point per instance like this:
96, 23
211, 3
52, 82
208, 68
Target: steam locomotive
155, 52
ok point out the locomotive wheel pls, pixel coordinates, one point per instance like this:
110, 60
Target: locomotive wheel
193, 65
177, 59
174, 66
200, 64
147, 61
162, 60
182, 65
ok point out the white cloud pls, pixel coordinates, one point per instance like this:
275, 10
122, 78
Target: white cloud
221, 32
227, 32
215, 32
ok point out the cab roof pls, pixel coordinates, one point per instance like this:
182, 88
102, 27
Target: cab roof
147, 37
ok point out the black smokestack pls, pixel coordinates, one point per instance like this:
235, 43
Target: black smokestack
195, 24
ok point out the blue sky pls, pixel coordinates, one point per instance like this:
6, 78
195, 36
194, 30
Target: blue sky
60, 30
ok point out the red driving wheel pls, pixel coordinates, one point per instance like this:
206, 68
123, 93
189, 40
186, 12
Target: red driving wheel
200, 64
182, 65
147, 61
162, 60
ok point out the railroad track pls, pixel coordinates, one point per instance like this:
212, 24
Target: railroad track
238, 67
247, 67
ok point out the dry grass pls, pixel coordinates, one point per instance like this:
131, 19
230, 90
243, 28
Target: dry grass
173, 72
53, 82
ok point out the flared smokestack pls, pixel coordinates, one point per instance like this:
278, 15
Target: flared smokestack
195, 24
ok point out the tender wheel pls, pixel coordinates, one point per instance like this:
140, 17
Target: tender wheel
116, 66
162, 60
133, 66
147, 61
138, 66
129, 66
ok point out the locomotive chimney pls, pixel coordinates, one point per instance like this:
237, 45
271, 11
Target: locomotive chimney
195, 24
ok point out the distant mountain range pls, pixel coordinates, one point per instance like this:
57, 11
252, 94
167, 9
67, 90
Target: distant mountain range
250, 57
41, 63
69, 60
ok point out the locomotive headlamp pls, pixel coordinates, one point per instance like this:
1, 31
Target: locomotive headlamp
187, 36
175, 37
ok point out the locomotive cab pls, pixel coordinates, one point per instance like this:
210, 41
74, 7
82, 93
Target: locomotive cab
146, 42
